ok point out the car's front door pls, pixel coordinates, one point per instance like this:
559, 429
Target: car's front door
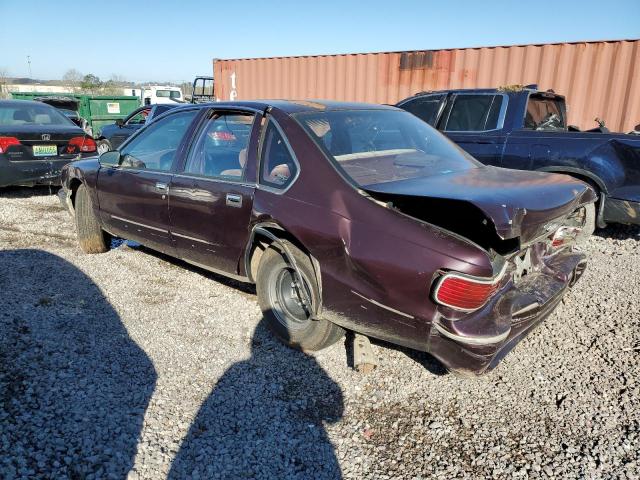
211, 198
133, 196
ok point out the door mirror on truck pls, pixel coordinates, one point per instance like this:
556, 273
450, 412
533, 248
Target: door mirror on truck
110, 159
119, 122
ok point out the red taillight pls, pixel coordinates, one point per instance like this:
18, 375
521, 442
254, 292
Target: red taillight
463, 292
6, 142
82, 144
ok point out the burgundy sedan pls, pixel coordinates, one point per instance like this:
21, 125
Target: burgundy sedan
345, 216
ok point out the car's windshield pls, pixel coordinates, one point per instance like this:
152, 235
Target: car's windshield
379, 146
32, 114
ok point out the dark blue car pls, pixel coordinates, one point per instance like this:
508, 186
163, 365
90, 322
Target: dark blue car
525, 128
112, 136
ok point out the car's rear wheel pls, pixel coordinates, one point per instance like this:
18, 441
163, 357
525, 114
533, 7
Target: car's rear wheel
91, 237
103, 146
288, 302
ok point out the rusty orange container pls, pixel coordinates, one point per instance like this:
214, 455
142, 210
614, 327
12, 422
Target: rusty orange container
599, 79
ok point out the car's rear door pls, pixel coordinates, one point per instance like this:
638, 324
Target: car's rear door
134, 196
475, 122
211, 197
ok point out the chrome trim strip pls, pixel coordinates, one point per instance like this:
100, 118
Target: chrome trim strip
139, 224
215, 179
472, 340
398, 312
526, 309
140, 170
187, 237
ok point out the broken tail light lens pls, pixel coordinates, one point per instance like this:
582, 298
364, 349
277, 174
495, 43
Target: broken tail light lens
6, 142
81, 144
564, 236
465, 293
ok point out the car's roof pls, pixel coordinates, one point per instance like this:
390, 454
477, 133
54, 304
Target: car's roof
23, 103
297, 106
508, 90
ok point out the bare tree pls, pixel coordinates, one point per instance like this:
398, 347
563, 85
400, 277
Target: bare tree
114, 85
4, 81
72, 78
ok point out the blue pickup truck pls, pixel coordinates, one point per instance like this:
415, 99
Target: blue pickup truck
525, 128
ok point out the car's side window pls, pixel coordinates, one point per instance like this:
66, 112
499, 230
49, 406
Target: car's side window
425, 107
544, 114
220, 151
139, 118
278, 167
156, 146
474, 113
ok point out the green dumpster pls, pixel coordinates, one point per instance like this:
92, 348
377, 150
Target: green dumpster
97, 110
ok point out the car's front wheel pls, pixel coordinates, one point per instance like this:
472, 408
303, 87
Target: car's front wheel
103, 146
91, 237
288, 301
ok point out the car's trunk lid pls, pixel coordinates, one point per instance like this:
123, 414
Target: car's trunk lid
519, 204
31, 136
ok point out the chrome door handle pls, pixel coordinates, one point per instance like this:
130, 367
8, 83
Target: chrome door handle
162, 186
234, 200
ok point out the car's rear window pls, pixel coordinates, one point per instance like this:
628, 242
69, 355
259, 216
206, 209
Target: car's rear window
379, 146
30, 114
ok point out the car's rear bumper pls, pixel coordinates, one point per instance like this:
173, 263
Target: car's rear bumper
31, 172
477, 343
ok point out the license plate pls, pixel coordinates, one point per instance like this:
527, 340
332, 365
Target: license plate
45, 150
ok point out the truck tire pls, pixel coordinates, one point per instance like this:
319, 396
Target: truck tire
589, 224
283, 303
103, 146
91, 237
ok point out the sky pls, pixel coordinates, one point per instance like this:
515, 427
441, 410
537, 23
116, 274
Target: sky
144, 40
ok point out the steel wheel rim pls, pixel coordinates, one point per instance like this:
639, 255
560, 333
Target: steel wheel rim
286, 299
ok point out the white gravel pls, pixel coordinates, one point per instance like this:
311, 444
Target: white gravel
132, 364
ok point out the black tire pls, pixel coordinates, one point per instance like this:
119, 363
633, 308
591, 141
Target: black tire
103, 146
91, 237
283, 304
589, 224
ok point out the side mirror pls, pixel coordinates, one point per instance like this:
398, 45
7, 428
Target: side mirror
119, 122
110, 159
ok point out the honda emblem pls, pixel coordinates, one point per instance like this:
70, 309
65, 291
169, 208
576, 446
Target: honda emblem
46, 137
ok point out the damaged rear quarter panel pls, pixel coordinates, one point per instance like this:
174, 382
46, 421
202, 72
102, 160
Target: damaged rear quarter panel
376, 273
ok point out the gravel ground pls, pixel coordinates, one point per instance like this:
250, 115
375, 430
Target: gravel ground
129, 364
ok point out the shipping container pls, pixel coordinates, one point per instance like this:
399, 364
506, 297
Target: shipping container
600, 79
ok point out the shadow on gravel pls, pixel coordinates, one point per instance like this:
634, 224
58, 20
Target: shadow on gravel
264, 419
619, 232
74, 386
428, 361
229, 282
27, 192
